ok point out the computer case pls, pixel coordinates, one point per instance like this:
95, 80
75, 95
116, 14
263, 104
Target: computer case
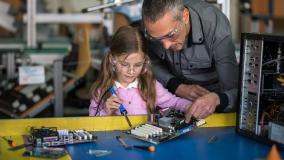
261, 90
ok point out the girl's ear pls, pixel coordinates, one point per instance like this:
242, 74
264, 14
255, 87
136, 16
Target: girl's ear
112, 61
145, 66
113, 67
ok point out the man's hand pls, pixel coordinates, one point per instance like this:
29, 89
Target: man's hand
203, 106
191, 92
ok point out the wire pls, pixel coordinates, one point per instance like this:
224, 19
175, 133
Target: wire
98, 106
272, 61
271, 113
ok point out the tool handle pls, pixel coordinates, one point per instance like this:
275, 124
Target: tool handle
122, 109
147, 148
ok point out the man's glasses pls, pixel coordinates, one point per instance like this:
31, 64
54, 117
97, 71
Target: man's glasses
172, 35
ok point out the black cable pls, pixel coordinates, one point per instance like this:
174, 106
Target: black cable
101, 100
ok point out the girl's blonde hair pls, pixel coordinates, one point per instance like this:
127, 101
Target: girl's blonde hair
125, 41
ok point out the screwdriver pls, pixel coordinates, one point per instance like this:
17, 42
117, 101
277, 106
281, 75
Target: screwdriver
122, 109
143, 147
146, 148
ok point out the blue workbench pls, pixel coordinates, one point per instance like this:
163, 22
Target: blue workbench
194, 145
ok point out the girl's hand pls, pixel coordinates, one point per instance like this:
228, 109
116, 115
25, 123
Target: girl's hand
112, 104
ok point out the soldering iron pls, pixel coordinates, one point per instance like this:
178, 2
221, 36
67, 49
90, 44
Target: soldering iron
122, 109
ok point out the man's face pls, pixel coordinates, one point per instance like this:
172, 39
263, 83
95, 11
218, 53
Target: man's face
169, 31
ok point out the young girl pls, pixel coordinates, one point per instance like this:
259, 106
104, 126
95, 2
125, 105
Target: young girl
127, 69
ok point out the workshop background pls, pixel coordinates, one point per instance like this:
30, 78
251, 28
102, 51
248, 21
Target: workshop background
67, 45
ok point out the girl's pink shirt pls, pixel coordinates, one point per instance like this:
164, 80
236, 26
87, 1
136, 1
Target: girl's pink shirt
135, 105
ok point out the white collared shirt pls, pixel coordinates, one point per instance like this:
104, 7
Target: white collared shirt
133, 84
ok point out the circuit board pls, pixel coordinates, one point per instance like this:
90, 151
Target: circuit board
165, 128
50, 136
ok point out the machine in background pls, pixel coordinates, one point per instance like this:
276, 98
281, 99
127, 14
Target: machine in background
261, 90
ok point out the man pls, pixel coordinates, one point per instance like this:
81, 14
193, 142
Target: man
192, 53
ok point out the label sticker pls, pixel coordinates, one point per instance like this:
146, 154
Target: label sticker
31, 75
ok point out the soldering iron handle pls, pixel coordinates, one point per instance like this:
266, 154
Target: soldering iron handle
122, 109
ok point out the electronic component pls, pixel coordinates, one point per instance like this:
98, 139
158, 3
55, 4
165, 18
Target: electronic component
45, 137
212, 139
44, 152
276, 132
167, 126
261, 90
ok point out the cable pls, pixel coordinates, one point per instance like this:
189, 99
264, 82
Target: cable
272, 61
98, 106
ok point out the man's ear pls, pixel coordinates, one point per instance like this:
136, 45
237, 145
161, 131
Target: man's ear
185, 15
